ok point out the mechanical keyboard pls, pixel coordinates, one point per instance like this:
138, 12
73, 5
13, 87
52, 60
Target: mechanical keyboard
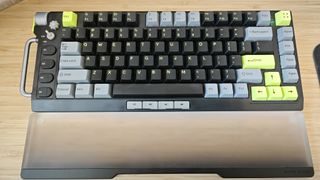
164, 61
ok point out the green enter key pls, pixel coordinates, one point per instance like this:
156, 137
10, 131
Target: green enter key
258, 62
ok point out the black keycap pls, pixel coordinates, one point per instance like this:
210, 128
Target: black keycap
44, 92
97, 76
170, 75
221, 61
48, 50
223, 33
208, 19
181, 33
228, 75
137, 33
81, 34
159, 47
119, 61
102, 47
185, 75
214, 75
250, 18
134, 61
158, 90
177, 61
95, 33
131, 47
236, 18
105, 62
45, 77
202, 47
237, 33
209, 34
262, 47
88, 19
109, 34
188, 47
116, 47
166, 33
123, 33
195, 33
163, 61
155, 75
235, 61
141, 75
145, 47
131, 19
116, 19
126, 75
231, 47
174, 47
152, 33
47, 64
90, 62
148, 61
103, 19
200, 75
222, 18
245, 47
206, 61
87, 48
67, 34
216, 47
111, 75
192, 61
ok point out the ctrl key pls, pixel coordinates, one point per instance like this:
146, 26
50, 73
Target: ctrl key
65, 91
44, 92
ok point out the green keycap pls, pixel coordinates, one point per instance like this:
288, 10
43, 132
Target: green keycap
69, 19
259, 93
258, 62
283, 18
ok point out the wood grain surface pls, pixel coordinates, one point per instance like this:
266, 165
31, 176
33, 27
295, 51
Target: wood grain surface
15, 29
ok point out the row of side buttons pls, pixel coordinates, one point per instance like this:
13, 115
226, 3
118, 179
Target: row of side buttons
158, 105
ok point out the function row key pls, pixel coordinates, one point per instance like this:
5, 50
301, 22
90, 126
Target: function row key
91, 19
166, 19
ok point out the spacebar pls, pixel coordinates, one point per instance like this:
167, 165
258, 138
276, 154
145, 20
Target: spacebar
158, 90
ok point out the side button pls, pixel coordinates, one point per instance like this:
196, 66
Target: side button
47, 64
165, 105
49, 50
181, 105
134, 105
153, 105
45, 77
44, 92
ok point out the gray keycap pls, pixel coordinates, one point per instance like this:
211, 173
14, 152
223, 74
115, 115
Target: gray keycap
150, 105
74, 76
65, 91
286, 47
194, 18
180, 19
226, 90
285, 34
288, 61
71, 62
249, 76
240, 90
290, 76
165, 104
211, 90
181, 105
84, 91
166, 19
102, 91
134, 104
264, 18
258, 34
152, 19
70, 48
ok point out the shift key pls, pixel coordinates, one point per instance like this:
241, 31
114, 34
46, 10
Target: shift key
74, 76
258, 62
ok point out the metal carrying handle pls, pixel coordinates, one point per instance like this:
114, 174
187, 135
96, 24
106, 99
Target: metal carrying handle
25, 61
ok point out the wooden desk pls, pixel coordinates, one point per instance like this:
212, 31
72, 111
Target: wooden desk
15, 28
